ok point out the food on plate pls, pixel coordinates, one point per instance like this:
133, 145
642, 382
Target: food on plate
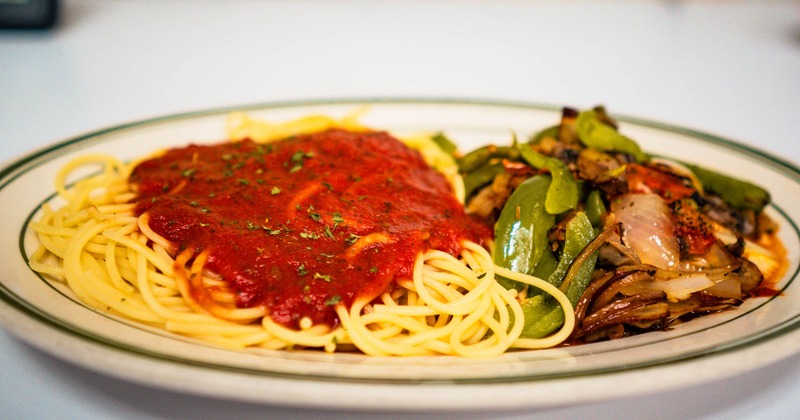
636, 242
338, 237
323, 233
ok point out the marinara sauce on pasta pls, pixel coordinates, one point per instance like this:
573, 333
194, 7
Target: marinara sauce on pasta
299, 225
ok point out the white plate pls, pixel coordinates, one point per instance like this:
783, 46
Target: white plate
761, 331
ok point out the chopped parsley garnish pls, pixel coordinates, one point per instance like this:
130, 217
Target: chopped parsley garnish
352, 239
301, 271
271, 231
275, 191
309, 235
297, 160
323, 277
337, 219
333, 300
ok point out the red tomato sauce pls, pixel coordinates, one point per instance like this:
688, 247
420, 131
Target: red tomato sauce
278, 219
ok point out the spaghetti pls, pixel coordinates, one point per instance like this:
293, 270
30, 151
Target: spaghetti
138, 242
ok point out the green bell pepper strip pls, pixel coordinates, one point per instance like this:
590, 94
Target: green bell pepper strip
595, 208
478, 157
582, 278
521, 229
739, 194
594, 133
444, 143
481, 177
580, 271
546, 265
564, 190
579, 234
551, 132
542, 316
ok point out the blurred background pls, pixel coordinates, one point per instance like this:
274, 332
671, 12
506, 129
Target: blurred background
730, 68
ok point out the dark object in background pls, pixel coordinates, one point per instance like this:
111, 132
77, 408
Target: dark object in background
28, 14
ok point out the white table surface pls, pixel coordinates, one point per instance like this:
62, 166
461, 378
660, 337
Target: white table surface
727, 67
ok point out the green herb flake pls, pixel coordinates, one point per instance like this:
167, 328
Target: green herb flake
275, 191
298, 159
309, 235
352, 239
333, 300
337, 220
301, 271
271, 231
323, 277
